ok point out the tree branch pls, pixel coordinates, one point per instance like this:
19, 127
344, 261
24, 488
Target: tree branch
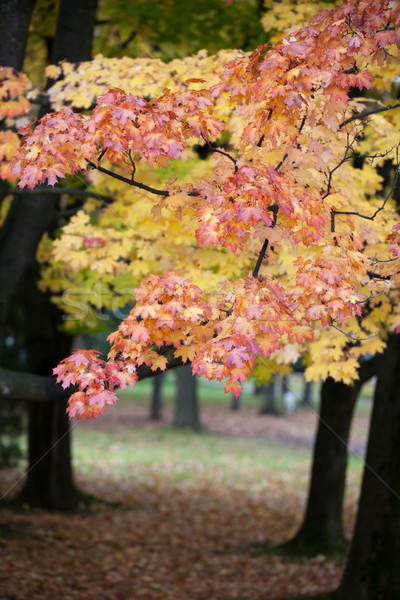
214, 149
366, 113
131, 182
286, 155
18, 386
378, 210
264, 248
25, 387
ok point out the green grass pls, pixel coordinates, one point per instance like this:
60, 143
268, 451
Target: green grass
176, 447
162, 451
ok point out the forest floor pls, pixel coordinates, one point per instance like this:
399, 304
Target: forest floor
180, 516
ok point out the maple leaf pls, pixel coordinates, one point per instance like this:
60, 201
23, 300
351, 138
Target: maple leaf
186, 352
159, 362
139, 333
363, 79
237, 356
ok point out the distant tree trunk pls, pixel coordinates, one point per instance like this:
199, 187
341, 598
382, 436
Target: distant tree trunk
285, 384
236, 402
372, 571
307, 395
269, 407
156, 399
187, 405
322, 529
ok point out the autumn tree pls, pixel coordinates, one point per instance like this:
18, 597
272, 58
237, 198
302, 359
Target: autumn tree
285, 196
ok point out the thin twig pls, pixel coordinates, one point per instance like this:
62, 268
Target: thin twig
214, 149
260, 258
141, 186
366, 113
375, 296
286, 154
264, 248
353, 337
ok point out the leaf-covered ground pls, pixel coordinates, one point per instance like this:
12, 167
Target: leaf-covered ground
192, 509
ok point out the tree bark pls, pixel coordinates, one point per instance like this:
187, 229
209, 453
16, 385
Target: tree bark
15, 17
187, 405
322, 528
49, 481
372, 571
74, 33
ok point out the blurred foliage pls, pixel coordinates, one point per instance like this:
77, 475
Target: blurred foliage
165, 29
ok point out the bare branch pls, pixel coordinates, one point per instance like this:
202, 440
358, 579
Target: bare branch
214, 149
366, 113
137, 184
141, 186
286, 155
378, 210
353, 337
260, 258
264, 248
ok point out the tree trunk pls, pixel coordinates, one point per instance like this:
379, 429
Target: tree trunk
74, 33
372, 571
308, 393
187, 405
156, 399
49, 481
236, 402
269, 407
15, 17
322, 529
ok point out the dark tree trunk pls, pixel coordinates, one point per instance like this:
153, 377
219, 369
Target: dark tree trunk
269, 407
74, 33
156, 399
15, 17
322, 526
372, 571
236, 402
307, 394
187, 405
49, 481
322, 529
285, 384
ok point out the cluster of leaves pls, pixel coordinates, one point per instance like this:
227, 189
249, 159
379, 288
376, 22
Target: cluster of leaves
287, 184
13, 104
